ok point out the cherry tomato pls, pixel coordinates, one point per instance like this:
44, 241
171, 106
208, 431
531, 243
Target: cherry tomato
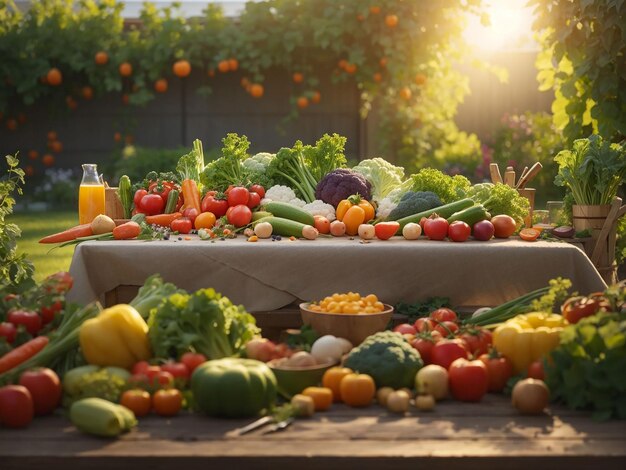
44, 387
181, 225
30, 320
459, 231
386, 230
436, 228
529, 234
425, 347
238, 195
257, 188
239, 215
469, 380
8, 331
535, 371
49, 311
217, 206
59, 282
504, 225
443, 314
499, 370
447, 328
179, 370
322, 224
192, 360
423, 325
254, 200
140, 367
139, 194
138, 401
191, 213
447, 351
152, 204
16, 406
405, 329
167, 402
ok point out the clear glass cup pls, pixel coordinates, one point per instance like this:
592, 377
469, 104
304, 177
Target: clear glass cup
555, 211
91, 195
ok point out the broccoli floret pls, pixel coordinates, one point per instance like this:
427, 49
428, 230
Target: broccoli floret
388, 359
414, 203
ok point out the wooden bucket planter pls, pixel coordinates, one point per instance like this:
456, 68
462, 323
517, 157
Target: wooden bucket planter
590, 218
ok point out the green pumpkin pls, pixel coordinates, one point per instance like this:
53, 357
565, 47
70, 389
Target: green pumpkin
233, 388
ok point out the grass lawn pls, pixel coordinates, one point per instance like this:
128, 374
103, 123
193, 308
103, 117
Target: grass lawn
36, 225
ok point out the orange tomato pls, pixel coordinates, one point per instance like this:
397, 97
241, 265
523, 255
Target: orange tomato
101, 58
322, 224
223, 66
233, 65
357, 389
47, 160
405, 93
204, 220
420, 79
302, 102
353, 217
391, 21
375, 10
322, 397
332, 379
256, 90
181, 68
138, 401
126, 69
316, 98
529, 234
160, 86
87, 92
298, 77
167, 402
54, 77
378, 77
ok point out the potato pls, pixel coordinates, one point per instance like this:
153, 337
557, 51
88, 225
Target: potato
102, 224
301, 359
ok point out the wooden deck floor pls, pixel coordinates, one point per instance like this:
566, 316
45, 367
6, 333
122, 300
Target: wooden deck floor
488, 435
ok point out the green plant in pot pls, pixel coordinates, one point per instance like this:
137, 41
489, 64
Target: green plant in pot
592, 170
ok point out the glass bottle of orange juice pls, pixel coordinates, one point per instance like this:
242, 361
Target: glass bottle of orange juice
90, 194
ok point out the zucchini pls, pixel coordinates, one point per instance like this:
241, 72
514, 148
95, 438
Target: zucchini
260, 215
288, 211
101, 417
172, 200
284, 227
471, 215
444, 211
124, 192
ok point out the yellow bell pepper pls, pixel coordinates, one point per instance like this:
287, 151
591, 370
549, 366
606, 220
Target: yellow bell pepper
117, 337
527, 338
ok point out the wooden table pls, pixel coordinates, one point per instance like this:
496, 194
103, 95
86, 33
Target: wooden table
486, 435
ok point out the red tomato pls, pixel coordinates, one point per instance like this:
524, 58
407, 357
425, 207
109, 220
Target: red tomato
217, 206
322, 224
140, 367
239, 215
8, 331
254, 200
425, 347
16, 406
181, 225
162, 378
178, 370
44, 387
478, 340
151, 371
386, 230
535, 371
237, 196
257, 188
152, 204
139, 194
423, 324
192, 360
443, 314
191, 213
447, 351
30, 320
436, 229
499, 370
48, 312
469, 380
447, 328
504, 225
59, 282
405, 329
459, 231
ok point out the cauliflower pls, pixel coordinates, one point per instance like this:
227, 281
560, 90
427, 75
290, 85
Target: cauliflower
388, 359
259, 162
318, 207
384, 208
282, 194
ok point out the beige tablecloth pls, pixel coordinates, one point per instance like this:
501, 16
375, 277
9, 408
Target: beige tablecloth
268, 275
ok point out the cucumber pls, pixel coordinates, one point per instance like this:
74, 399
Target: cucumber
139, 218
444, 211
470, 215
284, 227
124, 192
260, 215
101, 417
172, 200
287, 211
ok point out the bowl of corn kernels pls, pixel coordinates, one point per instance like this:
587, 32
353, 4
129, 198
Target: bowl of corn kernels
348, 315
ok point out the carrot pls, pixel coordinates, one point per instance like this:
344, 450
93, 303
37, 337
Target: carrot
22, 353
69, 234
163, 220
191, 195
127, 231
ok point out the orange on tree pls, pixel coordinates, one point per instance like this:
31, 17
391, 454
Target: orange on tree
54, 77
211, 73
342, 63
55, 146
316, 98
29, 170
87, 92
204, 220
160, 86
47, 160
350, 68
52, 135
21, 118
233, 64
332, 379
383, 61
360, 17
302, 102
11, 124
117, 137
256, 90
298, 77
71, 102
33, 155
129, 139
245, 82
223, 66
405, 93
378, 77
126, 69
391, 21
420, 79
101, 58
375, 10
181, 68
357, 389
125, 99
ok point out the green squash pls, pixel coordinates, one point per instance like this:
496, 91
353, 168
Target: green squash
233, 388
